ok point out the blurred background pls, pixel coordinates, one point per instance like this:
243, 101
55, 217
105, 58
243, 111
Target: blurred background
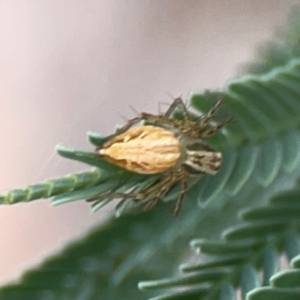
70, 66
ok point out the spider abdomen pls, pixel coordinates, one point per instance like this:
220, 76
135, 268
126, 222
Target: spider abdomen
144, 150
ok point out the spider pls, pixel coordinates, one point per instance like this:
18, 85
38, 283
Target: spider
174, 148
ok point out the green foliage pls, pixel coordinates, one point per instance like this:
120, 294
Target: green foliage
244, 219
53, 187
284, 285
245, 252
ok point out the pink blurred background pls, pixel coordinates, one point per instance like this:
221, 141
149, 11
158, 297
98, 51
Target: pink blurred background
70, 66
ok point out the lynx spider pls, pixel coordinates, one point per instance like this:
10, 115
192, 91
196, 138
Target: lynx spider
189, 155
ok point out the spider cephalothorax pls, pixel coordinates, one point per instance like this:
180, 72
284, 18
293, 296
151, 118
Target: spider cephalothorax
171, 147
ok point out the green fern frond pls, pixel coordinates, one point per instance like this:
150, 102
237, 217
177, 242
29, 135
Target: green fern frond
259, 146
284, 285
52, 188
254, 246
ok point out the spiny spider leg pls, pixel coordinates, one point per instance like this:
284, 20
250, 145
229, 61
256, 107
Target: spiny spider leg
178, 103
127, 126
156, 118
211, 131
184, 186
113, 195
211, 113
156, 186
167, 184
180, 176
151, 203
123, 129
165, 118
134, 196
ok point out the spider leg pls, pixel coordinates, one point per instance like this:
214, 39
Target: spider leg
165, 118
156, 118
206, 119
131, 195
158, 190
127, 126
152, 202
166, 185
123, 129
134, 196
160, 185
111, 195
178, 103
211, 131
184, 185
